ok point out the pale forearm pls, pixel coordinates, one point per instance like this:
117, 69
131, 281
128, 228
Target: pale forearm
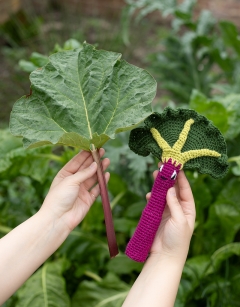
157, 284
25, 248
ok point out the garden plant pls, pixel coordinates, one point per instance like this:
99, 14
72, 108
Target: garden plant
202, 75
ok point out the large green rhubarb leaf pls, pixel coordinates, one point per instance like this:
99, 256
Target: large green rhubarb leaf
82, 97
45, 288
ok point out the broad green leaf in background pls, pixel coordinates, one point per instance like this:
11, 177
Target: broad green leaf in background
82, 97
216, 291
94, 220
202, 191
138, 166
125, 225
36, 60
109, 292
116, 149
131, 168
193, 274
8, 143
205, 23
222, 254
212, 109
83, 246
123, 265
184, 289
116, 185
230, 35
45, 288
27, 66
16, 160
224, 216
134, 210
232, 104
195, 268
68, 45
144, 7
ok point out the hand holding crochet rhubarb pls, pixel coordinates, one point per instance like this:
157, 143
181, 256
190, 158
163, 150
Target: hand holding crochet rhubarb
171, 207
158, 282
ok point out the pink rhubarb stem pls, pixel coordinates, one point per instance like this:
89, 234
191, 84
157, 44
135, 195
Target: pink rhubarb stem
111, 237
140, 244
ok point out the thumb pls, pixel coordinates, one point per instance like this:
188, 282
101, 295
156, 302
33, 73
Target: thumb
83, 175
174, 205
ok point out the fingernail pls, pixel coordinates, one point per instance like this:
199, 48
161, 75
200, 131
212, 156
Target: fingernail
173, 191
93, 165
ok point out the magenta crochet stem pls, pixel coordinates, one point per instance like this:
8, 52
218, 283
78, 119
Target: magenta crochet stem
140, 244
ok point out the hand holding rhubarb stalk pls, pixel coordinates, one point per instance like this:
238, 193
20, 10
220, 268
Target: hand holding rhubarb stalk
71, 195
198, 141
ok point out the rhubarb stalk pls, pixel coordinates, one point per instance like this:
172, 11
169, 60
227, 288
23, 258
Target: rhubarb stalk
111, 237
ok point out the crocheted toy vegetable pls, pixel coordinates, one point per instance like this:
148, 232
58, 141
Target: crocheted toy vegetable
179, 138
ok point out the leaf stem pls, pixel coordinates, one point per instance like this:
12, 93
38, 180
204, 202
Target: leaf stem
52, 157
112, 243
116, 199
234, 159
93, 276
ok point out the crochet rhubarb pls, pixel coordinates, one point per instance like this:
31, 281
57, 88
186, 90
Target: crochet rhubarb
141, 242
180, 138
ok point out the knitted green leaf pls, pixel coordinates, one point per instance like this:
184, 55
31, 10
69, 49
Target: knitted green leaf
202, 135
81, 97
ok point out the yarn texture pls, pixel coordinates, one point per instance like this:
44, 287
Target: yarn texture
179, 138
141, 242
200, 134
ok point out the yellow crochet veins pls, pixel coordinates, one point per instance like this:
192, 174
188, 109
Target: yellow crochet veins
175, 152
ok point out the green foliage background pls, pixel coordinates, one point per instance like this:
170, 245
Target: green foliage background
198, 68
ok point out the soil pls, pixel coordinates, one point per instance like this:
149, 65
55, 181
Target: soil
55, 25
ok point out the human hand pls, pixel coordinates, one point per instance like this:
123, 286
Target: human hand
74, 189
177, 225
158, 282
